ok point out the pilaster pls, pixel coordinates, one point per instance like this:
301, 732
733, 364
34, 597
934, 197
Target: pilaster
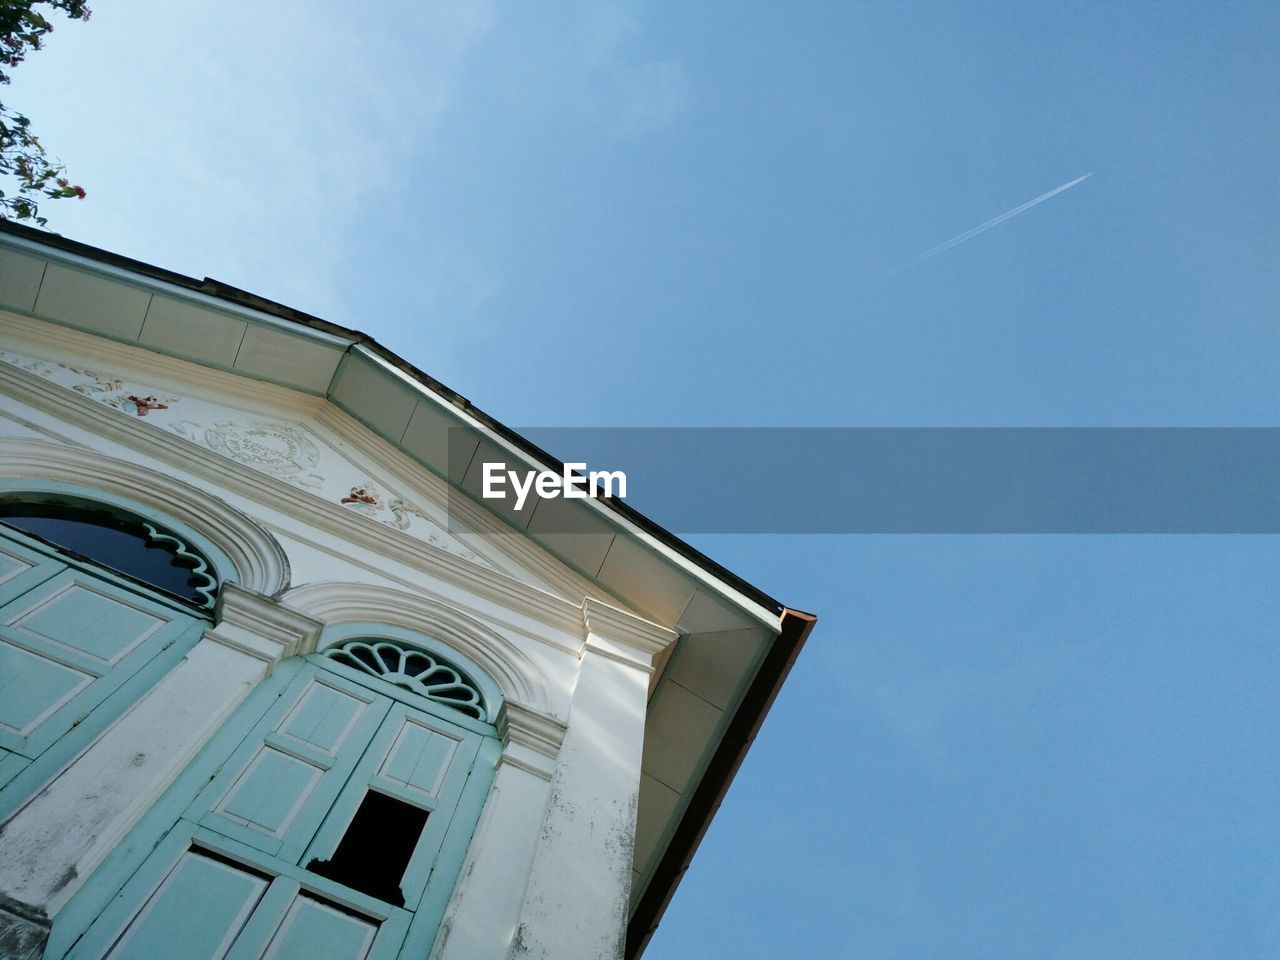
576, 902
482, 915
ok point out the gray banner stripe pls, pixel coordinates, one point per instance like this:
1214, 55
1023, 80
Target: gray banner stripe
930, 480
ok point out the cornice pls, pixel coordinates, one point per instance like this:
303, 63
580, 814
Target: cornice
155, 369
616, 626
283, 498
531, 740
182, 374
534, 729
389, 368
261, 627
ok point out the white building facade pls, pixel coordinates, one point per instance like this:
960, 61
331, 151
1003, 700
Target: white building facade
276, 682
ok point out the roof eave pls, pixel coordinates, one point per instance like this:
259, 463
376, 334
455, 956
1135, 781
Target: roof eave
719, 774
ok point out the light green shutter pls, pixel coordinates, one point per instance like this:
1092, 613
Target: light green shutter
285, 796
71, 636
167, 926
277, 787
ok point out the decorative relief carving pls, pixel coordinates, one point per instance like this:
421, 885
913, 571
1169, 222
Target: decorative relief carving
39, 367
115, 393
141, 406
368, 499
280, 449
362, 497
96, 385
102, 387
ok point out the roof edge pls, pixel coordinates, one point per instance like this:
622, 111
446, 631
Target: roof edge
228, 294
719, 774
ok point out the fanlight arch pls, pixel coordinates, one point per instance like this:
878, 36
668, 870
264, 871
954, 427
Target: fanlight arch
414, 669
357, 610
138, 548
241, 550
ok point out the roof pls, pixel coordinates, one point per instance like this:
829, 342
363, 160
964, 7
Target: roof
737, 643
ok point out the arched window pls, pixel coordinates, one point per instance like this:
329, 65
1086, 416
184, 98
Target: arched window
413, 669
129, 545
96, 603
336, 825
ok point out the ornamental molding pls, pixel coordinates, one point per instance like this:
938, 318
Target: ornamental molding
211, 385
558, 618
538, 733
10, 419
281, 449
261, 627
260, 562
200, 567
307, 508
277, 448
169, 373
518, 678
520, 549
415, 669
619, 634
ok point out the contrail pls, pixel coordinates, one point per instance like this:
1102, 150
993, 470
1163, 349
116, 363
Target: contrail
984, 227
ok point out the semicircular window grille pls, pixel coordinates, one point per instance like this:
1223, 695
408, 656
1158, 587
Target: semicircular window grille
118, 540
413, 669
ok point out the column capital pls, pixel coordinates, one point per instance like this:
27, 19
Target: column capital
621, 635
261, 627
530, 739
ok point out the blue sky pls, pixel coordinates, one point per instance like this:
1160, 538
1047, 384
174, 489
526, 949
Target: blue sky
645, 214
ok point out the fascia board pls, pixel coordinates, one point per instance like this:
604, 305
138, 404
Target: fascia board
167, 289
748, 606
377, 356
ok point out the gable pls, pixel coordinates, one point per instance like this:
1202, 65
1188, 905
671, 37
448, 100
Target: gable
296, 441
337, 420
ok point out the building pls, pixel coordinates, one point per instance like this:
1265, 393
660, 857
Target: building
276, 681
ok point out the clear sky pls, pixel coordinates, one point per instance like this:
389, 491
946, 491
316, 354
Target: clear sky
644, 214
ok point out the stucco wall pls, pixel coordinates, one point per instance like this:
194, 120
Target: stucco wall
362, 536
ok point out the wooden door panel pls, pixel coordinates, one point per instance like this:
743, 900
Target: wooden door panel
278, 786
196, 912
271, 791
67, 643
323, 719
312, 928
22, 568
420, 758
32, 688
91, 622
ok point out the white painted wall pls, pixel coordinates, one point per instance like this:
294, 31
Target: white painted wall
579, 888
548, 870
